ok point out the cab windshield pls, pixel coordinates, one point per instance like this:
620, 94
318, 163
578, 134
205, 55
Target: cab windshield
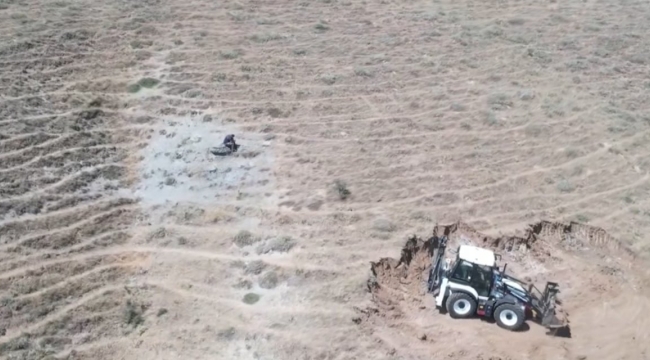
477, 276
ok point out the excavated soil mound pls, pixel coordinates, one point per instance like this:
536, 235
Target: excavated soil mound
601, 288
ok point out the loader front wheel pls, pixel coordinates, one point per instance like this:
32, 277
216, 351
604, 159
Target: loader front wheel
461, 306
510, 317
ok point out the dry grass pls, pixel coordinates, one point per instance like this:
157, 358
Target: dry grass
495, 113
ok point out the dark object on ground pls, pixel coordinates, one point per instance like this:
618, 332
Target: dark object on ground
223, 150
229, 142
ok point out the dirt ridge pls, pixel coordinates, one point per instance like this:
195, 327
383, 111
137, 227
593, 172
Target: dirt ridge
550, 230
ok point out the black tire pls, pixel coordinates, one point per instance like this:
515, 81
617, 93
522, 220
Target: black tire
221, 151
510, 317
461, 306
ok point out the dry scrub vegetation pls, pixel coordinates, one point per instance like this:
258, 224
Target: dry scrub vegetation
361, 122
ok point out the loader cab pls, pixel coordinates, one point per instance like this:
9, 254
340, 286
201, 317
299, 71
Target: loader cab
473, 267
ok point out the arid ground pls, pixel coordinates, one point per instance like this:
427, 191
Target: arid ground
361, 123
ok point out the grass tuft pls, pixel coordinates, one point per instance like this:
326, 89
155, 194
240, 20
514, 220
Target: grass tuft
148, 82
565, 186
133, 88
134, 314
251, 298
342, 189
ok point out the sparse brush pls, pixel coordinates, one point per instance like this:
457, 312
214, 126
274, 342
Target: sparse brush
140, 44
384, 225
230, 55
280, 244
321, 26
329, 79
237, 15
342, 189
133, 88
265, 37
363, 72
499, 101
516, 21
133, 314
22, 342
572, 153
269, 280
245, 238
255, 267
565, 186
266, 22
458, 107
148, 82
251, 298
490, 119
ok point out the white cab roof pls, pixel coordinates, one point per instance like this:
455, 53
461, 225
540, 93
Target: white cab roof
477, 255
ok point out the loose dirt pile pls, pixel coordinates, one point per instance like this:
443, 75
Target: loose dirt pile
593, 270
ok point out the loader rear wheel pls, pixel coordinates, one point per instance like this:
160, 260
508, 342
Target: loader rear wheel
461, 306
510, 317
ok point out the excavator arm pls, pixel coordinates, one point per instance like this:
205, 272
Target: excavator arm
437, 260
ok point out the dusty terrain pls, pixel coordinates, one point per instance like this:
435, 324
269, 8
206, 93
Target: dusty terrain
122, 237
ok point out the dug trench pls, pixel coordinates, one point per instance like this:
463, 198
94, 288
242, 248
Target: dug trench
602, 292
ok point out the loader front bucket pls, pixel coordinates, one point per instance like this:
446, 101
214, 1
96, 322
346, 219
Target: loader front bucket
544, 305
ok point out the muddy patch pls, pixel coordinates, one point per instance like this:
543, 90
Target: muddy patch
177, 166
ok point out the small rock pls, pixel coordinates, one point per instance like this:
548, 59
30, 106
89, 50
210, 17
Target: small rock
170, 181
422, 336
